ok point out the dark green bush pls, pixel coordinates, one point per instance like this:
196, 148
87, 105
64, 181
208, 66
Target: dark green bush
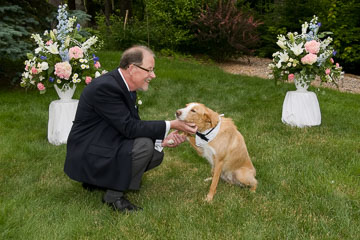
165, 25
17, 22
340, 17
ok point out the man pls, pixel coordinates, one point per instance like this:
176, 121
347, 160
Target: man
109, 147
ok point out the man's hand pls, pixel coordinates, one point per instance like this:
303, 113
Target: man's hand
173, 139
183, 126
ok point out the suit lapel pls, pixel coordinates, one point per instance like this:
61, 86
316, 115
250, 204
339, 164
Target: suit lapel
130, 101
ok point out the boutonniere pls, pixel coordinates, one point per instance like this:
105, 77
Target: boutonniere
138, 102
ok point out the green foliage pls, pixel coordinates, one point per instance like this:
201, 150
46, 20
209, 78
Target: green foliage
309, 184
13, 31
283, 17
225, 31
340, 17
118, 36
17, 22
343, 20
165, 25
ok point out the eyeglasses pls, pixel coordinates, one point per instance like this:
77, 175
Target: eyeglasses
147, 70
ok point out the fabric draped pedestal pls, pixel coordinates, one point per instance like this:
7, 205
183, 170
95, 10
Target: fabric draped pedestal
61, 115
301, 107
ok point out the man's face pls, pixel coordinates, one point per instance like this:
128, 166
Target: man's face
143, 74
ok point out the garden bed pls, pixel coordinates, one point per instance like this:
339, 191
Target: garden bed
255, 66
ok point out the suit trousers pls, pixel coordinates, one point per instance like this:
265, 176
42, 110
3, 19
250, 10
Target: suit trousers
144, 158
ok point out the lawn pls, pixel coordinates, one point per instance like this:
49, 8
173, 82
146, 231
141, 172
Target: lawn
309, 179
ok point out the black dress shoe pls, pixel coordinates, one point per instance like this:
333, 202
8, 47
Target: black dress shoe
122, 205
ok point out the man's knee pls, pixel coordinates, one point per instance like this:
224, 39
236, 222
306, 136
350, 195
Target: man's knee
143, 148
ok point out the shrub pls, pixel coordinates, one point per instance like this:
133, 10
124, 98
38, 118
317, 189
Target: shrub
165, 25
17, 23
226, 31
344, 21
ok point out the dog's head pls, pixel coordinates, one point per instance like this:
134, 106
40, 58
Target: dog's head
197, 113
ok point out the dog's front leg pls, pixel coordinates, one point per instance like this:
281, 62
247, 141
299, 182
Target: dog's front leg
215, 179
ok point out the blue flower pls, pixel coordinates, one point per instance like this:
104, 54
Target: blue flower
78, 26
334, 53
319, 24
95, 58
43, 57
51, 79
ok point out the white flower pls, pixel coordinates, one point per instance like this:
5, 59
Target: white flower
276, 53
91, 41
37, 50
83, 66
104, 71
97, 74
281, 44
41, 78
304, 28
58, 81
139, 102
67, 41
53, 48
297, 48
44, 66
284, 57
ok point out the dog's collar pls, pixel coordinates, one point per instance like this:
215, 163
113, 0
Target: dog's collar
202, 138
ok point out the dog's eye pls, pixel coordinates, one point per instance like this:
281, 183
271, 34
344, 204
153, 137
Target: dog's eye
193, 110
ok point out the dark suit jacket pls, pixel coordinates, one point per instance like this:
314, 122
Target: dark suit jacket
101, 139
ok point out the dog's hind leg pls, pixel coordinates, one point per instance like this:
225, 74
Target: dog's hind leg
246, 176
215, 179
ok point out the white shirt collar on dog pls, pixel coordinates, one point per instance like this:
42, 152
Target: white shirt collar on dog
209, 133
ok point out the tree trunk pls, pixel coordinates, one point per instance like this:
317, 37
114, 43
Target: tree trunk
79, 5
71, 4
107, 11
55, 3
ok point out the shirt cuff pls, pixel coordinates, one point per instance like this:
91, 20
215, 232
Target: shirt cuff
158, 142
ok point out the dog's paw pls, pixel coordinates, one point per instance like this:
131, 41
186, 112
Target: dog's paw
208, 198
207, 179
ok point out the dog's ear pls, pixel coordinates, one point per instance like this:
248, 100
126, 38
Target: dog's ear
211, 117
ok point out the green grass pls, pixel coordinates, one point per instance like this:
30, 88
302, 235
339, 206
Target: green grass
309, 179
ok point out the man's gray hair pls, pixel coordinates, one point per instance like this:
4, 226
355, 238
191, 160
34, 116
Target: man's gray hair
134, 55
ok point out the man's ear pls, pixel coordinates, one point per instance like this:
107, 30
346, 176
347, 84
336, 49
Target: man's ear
211, 117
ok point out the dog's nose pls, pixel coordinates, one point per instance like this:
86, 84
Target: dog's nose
178, 113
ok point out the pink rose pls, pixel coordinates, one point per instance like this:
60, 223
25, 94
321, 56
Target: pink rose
63, 70
291, 77
97, 65
76, 52
331, 60
49, 42
309, 59
41, 87
337, 65
312, 47
34, 70
88, 80
327, 71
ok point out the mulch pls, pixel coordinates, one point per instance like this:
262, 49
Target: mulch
255, 66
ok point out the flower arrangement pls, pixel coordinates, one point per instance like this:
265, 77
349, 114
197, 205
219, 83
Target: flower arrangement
304, 56
63, 57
